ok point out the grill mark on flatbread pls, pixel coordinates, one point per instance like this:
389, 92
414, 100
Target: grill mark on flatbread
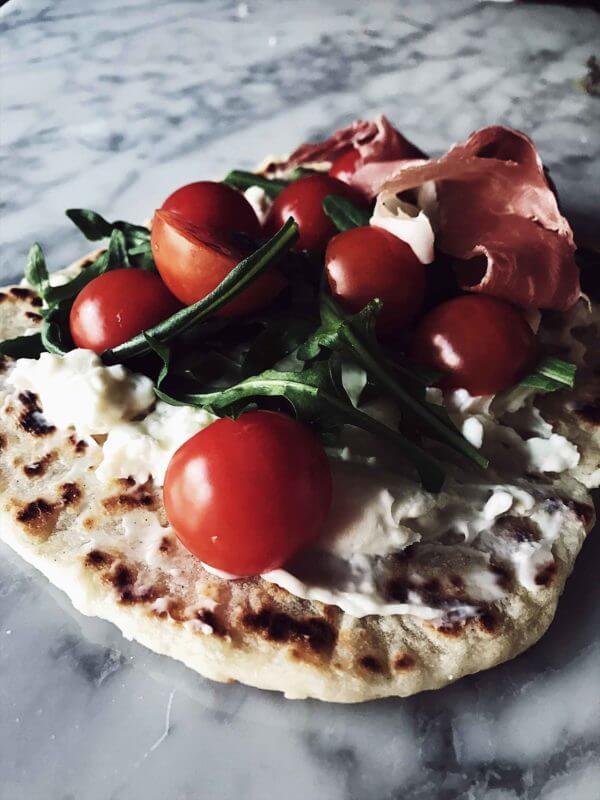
33, 316
278, 626
210, 618
488, 620
38, 517
3, 441
79, 445
31, 419
39, 468
140, 497
403, 661
98, 559
167, 545
503, 576
371, 664
22, 293
70, 494
545, 575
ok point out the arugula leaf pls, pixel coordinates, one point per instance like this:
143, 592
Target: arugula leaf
235, 282
114, 257
29, 346
313, 397
36, 271
279, 337
141, 257
164, 353
551, 375
117, 255
94, 227
56, 336
135, 238
344, 214
354, 338
240, 179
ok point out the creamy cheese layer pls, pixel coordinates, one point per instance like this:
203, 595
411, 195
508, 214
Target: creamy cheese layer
78, 390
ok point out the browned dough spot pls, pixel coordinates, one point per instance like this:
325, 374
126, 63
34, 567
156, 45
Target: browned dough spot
277, 626
404, 661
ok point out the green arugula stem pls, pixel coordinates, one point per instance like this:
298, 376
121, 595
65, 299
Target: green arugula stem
381, 375
240, 179
234, 283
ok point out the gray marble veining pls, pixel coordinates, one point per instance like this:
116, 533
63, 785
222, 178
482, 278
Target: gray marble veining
111, 105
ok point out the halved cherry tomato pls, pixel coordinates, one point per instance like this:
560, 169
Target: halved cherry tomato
364, 263
303, 200
118, 305
344, 167
193, 261
482, 344
244, 495
209, 204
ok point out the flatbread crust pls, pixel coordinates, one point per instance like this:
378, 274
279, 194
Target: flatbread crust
108, 548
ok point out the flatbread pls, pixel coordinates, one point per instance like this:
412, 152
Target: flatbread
110, 550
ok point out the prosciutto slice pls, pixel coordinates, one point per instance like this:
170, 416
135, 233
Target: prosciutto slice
375, 141
496, 214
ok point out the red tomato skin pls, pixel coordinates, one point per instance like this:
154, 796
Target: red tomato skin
210, 204
368, 262
193, 261
118, 305
303, 200
483, 344
344, 167
244, 495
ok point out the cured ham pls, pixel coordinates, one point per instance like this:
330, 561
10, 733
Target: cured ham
375, 140
496, 215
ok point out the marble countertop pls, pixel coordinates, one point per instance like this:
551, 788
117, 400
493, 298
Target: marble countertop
111, 105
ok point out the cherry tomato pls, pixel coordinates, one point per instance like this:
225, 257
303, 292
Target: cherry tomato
364, 263
244, 495
344, 167
209, 204
303, 200
118, 305
482, 344
193, 261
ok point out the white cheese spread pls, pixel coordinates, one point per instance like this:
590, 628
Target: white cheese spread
259, 200
143, 449
77, 390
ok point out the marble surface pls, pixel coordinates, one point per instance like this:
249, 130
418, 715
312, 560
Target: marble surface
111, 105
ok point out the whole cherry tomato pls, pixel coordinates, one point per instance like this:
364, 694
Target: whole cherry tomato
210, 204
364, 263
344, 167
118, 305
244, 495
482, 344
303, 200
193, 261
